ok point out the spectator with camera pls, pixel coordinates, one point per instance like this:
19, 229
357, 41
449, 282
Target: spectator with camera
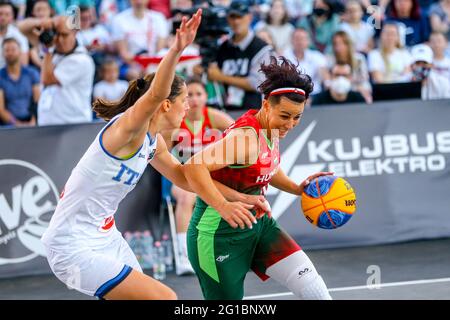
138, 31
40, 9
340, 88
434, 85
239, 59
67, 73
19, 88
8, 30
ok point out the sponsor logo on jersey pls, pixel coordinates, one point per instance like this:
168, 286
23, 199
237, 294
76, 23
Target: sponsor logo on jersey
222, 258
107, 224
28, 198
61, 195
151, 155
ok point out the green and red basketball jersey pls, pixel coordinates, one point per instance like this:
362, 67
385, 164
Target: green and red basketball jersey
254, 178
193, 137
222, 255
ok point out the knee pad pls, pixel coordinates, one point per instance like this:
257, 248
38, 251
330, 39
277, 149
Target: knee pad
299, 275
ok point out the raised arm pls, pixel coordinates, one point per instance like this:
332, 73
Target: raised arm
128, 132
139, 115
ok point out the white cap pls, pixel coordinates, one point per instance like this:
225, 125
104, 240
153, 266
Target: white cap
422, 52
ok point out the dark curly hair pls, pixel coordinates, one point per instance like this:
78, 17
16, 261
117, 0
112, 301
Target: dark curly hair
281, 75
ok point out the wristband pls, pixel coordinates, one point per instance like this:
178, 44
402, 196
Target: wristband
46, 50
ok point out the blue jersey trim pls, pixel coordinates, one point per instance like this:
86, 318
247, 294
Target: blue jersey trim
109, 285
150, 138
100, 138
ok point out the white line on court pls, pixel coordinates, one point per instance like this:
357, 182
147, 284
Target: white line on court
366, 287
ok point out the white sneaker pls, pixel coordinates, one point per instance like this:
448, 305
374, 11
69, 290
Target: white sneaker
184, 266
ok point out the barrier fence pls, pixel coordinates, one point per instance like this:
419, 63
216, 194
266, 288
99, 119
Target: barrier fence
396, 156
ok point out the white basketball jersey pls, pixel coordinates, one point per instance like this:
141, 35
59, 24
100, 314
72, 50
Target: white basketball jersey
96, 186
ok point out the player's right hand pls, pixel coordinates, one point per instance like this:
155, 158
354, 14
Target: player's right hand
237, 214
260, 203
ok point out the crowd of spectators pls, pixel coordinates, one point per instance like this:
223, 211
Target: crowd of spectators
59, 55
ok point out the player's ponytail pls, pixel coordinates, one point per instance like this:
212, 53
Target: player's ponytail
284, 75
108, 109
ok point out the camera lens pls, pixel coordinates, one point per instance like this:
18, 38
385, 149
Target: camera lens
46, 37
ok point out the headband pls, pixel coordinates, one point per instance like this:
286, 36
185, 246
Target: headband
279, 91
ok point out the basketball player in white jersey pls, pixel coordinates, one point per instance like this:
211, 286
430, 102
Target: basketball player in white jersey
84, 248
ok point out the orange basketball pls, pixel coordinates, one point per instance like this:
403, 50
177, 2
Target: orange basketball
328, 202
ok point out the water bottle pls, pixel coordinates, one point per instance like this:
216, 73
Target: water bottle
159, 266
147, 249
131, 240
137, 247
168, 252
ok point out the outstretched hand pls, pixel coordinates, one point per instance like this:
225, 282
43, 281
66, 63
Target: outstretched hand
185, 34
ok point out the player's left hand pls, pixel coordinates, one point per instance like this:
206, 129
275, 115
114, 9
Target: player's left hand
185, 34
305, 182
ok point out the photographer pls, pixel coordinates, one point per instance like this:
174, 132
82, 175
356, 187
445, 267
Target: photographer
238, 60
67, 73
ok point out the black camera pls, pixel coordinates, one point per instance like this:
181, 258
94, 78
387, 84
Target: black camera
214, 25
47, 36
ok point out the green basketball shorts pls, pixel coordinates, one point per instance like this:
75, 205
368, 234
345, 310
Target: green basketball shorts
221, 256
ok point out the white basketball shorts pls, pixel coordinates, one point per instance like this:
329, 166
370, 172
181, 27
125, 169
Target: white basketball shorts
93, 271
